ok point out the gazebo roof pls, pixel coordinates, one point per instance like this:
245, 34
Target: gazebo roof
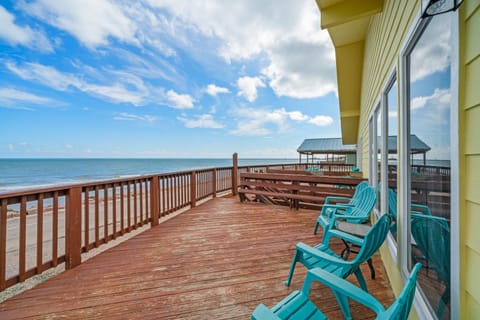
326, 145
416, 145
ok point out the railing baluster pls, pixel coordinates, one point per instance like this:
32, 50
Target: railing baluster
23, 239
129, 221
97, 217
40, 234
122, 209
141, 202
114, 210
3, 245
135, 195
55, 230
105, 213
87, 219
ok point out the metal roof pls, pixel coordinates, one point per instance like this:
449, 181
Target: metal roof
326, 145
335, 145
416, 145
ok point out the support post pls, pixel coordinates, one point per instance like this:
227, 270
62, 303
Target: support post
154, 200
235, 174
73, 232
214, 182
193, 189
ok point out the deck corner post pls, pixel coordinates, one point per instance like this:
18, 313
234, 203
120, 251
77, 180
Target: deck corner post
73, 232
154, 200
193, 189
235, 174
214, 182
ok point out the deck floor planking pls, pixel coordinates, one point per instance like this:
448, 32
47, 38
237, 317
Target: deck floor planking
216, 261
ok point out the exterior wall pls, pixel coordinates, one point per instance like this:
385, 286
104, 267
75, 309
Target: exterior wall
383, 43
469, 133
381, 55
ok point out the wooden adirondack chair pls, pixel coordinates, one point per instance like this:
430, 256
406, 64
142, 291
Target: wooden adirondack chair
359, 212
323, 257
432, 237
298, 306
346, 200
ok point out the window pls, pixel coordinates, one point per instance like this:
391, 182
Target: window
426, 135
391, 102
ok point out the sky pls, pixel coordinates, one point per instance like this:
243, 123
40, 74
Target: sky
164, 78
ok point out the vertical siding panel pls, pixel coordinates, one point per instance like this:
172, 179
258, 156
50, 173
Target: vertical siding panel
469, 106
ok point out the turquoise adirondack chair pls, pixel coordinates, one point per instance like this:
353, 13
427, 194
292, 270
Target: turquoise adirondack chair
359, 212
298, 306
346, 200
392, 205
432, 237
323, 257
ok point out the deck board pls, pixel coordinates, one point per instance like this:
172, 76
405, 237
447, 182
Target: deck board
216, 261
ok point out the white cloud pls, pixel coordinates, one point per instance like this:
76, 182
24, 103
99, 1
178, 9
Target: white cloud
201, 121
19, 35
180, 101
213, 90
299, 56
247, 87
13, 98
297, 116
321, 121
261, 122
439, 98
124, 116
119, 91
432, 52
92, 22
11, 147
68, 146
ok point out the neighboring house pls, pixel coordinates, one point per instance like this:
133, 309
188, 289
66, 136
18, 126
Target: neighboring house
400, 74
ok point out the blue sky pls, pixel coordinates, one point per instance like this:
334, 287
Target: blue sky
179, 78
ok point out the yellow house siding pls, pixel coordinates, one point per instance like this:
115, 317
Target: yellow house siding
469, 133
384, 39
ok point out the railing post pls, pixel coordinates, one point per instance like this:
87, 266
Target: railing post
193, 189
214, 182
73, 232
235, 174
154, 200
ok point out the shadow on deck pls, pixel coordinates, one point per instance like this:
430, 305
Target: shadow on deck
216, 261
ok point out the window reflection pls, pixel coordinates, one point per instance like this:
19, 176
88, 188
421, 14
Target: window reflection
378, 115
392, 109
430, 161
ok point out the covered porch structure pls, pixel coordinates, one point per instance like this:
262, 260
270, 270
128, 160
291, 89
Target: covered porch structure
331, 150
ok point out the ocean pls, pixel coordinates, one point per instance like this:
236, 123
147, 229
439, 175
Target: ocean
17, 174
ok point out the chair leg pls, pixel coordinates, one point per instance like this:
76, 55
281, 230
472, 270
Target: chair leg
361, 279
316, 228
343, 303
292, 267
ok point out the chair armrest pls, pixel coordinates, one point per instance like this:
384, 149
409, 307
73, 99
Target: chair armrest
338, 205
350, 218
261, 312
305, 248
423, 209
342, 287
334, 198
345, 236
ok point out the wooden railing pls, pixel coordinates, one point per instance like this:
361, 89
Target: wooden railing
42, 228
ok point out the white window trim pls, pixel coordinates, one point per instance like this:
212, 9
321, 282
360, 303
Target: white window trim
421, 306
392, 79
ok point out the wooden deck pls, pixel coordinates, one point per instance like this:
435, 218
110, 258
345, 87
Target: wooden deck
216, 261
